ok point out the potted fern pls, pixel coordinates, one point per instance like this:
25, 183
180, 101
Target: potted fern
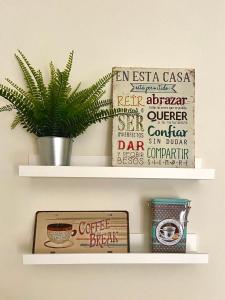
55, 112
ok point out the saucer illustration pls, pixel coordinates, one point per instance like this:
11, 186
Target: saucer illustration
66, 244
167, 239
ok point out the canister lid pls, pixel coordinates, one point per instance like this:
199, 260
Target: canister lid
170, 201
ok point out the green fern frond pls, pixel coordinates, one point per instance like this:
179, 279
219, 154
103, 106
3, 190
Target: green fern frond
23, 106
7, 108
99, 85
32, 70
75, 90
52, 71
16, 121
100, 104
93, 90
69, 64
111, 113
37, 75
19, 89
31, 85
41, 85
63, 77
18, 100
53, 79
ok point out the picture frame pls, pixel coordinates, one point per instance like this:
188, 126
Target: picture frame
81, 232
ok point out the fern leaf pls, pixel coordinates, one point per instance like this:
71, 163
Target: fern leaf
18, 100
19, 89
31, 85
100, 104
7, 108
16, 121
68, 67
37, 75
41, 85
94, 90
32, 70
63, 78
75, 90
80, 122
21, 104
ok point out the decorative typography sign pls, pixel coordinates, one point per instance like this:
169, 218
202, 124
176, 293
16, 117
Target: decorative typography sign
81, 231
162, 135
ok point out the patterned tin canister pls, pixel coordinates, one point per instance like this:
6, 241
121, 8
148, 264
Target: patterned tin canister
169, 224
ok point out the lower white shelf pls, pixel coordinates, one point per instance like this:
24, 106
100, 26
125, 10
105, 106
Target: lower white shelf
115, 258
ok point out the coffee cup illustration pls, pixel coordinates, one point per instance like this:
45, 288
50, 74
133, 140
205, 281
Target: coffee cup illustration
59, 235
168, 232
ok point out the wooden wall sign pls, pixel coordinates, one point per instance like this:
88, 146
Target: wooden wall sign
81, 231
162, 135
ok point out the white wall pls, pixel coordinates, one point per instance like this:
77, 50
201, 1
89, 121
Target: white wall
104, 34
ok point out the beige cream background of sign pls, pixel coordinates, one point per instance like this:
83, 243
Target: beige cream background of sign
105, 34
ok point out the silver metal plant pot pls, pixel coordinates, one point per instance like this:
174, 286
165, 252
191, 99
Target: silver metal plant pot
54, 151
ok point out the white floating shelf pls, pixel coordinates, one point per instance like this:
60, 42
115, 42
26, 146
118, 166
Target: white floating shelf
116, 172
115, 258
99, 167
140, 254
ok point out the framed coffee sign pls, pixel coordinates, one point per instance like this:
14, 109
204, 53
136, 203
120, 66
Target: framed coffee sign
81, 232
162, 135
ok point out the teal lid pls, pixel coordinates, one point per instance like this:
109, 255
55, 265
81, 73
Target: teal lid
170, 201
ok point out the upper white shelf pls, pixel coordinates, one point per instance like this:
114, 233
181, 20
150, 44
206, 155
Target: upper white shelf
116, 172
99, 167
